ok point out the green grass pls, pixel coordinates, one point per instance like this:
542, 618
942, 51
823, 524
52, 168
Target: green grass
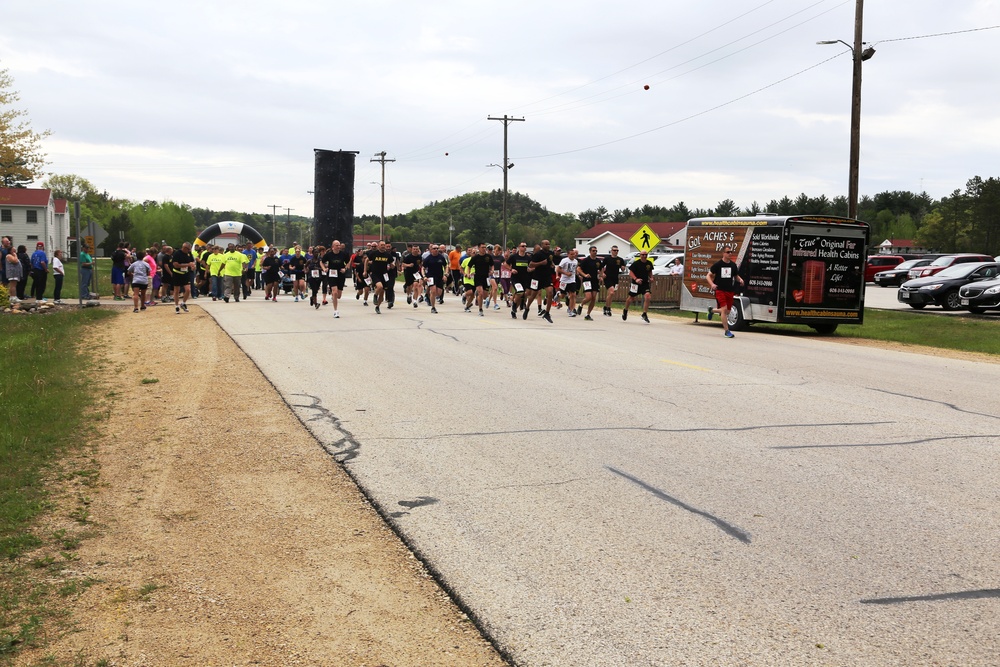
46, 399
950, 332
70, 291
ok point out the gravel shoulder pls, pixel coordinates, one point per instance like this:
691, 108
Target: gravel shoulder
220, 532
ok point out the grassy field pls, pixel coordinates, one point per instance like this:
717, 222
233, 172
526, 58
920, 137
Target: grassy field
47, 402
966, 334
70, 291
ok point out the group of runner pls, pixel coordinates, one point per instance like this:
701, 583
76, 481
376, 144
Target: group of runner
491, 275
517, 277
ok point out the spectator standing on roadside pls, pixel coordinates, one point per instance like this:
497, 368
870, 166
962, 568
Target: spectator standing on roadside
86, 271
39, 272
25, 261
5, 248
15, 274
58, 274
722, 278
118, 271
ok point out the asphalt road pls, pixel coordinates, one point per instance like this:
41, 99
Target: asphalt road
616, 493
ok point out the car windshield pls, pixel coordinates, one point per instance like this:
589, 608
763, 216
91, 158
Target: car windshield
957, 271
908, 264
943, 261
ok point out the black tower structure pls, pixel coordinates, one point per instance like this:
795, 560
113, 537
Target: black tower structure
333, 197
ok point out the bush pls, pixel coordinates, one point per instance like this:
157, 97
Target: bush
4, 297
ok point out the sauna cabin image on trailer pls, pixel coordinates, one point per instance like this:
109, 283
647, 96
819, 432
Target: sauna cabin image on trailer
796, 269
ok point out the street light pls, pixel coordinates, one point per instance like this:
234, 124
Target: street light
858, 55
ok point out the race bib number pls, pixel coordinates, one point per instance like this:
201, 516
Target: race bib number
314, 273
534, 284
332, 273
519, 288
385, 277
634, 288
430, 281
368, 280
281, 274
586, 285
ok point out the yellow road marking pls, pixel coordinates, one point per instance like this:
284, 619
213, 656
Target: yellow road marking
677, 363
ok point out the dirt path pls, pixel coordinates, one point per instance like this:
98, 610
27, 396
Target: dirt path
223, 534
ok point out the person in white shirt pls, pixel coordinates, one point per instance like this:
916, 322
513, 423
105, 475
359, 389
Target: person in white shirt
59, 273
567, 280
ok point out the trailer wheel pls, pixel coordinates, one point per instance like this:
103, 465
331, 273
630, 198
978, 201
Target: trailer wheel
824, 329
736, 320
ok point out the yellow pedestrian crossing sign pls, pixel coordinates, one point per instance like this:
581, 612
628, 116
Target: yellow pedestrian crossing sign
645, 239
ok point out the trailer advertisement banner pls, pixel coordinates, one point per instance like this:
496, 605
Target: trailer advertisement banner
756, 249
825, 276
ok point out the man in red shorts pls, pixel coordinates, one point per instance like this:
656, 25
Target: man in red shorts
722, 277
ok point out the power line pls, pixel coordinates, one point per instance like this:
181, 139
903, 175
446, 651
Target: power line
938, 34
686, 118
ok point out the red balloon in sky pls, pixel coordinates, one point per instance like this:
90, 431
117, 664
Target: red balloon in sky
646, 87
446, 154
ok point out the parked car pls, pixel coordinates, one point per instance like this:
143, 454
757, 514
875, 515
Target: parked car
980, 296
895, 276
662, 264
942, 288
878, 263
944, 261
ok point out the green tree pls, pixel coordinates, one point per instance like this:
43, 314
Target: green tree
21, 158
947, 228
984, 210
726, 208
167, 222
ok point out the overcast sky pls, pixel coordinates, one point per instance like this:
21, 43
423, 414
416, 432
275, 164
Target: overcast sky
220, 104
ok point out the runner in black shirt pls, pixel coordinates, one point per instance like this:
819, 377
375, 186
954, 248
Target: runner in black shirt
640, 272
589, 272
435, 265
611, 269
518, 263
377, 270
481, 265
297, 269
270, 266
411, 275
182, 264
336, 260
541, 268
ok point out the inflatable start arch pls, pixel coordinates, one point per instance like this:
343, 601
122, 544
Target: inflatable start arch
231, 227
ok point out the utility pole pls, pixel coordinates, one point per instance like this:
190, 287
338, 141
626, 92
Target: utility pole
274, 229
507, 120
288, 219
859, 55
381, 225
852, 185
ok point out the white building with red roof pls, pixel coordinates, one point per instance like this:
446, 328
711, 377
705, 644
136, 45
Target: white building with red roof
672, 235
31, 215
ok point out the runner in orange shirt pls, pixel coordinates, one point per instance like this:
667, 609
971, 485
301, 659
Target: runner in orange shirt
455, 266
